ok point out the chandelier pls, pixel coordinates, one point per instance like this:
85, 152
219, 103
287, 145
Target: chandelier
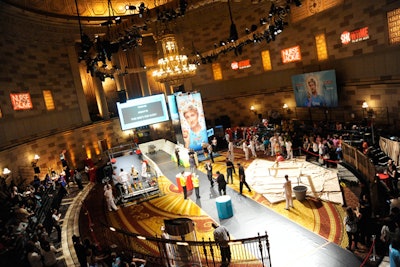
173, 68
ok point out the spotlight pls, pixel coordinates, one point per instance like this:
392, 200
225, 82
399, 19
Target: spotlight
118, 20
129, 7
222, 43
107, 23
233, 36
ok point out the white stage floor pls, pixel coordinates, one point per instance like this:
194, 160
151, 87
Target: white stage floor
267, 179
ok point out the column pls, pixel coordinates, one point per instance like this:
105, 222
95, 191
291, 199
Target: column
101, 98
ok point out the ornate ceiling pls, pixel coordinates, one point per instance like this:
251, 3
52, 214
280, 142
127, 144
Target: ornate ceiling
87, 8
97, 9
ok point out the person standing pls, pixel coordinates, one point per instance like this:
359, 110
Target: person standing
123, 179
79, 250
221, 183
288, 192
177, 156
253, 147
78, 179
196, 184
209, 170
242, 178
144, 170
246, 150
210, 152
230, 169
273, 140
56, 217
289, 150
231, 152
109, 198
182, 180
394, 252
350, 221
214, 143
192, 164
135, 178
222, 237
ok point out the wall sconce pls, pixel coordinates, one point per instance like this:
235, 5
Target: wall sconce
35, 160
253, 109
286, 107
370, 112
6, 171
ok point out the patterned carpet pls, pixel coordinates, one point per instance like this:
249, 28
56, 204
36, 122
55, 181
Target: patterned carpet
146, 218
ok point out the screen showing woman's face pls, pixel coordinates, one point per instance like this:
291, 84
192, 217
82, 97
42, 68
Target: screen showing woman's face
313, 87
191, 118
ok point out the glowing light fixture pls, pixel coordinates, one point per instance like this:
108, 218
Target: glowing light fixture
173, 68
6, 171
364, 105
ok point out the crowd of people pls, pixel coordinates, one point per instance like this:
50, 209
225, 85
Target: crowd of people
30, 214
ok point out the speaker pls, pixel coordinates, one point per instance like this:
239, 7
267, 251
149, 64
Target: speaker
122, 96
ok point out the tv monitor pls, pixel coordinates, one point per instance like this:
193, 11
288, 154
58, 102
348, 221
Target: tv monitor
315, 89
142, 111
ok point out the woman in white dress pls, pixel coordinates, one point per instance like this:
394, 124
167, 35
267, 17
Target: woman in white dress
108, 194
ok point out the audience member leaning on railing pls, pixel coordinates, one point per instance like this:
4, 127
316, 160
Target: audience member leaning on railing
24, 211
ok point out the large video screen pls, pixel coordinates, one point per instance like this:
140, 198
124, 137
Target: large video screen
142, 111
193, 123
315, 89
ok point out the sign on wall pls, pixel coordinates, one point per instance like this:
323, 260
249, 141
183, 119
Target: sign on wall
243, 64
21, 101
393, 18
354, 36
291, 54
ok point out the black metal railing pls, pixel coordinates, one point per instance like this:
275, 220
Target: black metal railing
253, 251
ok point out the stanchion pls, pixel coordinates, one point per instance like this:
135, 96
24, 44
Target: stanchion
373, 257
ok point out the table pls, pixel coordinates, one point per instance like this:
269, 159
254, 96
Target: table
224, 207
189, 183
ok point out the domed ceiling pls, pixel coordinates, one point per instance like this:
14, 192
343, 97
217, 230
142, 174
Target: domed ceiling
98, 9
87, 8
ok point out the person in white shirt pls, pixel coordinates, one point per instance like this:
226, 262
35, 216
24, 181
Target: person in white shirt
287, 186
253, 147
108, 194
123, 179
246, 150
289, 150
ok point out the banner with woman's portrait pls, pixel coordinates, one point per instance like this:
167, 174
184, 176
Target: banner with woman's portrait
193, 123
315, 89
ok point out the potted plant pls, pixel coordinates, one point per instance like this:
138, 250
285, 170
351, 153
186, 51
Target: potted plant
300, 191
